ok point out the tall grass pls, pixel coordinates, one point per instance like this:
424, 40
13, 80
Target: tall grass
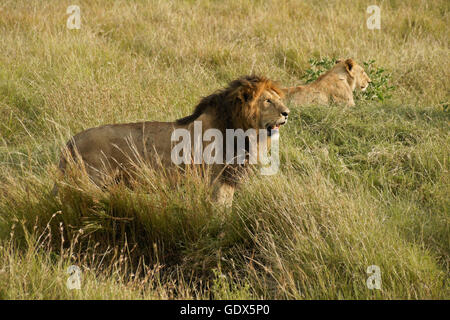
357, 186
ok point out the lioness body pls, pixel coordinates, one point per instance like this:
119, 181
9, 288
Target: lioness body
248, 103
336, 85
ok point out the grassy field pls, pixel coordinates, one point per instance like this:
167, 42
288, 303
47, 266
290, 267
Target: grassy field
358, 186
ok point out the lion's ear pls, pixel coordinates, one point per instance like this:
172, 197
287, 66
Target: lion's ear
246, 95
338, 61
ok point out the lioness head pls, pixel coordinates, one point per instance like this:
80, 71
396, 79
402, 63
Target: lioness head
358, 78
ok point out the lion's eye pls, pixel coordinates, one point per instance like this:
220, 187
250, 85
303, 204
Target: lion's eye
268, 101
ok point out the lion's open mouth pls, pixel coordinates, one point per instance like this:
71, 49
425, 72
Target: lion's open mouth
274, 128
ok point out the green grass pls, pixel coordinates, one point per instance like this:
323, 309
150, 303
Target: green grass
357, 186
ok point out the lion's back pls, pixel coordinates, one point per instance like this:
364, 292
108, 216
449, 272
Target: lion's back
118, 144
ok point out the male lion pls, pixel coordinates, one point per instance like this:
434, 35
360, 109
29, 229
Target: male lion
250, 102
336, 85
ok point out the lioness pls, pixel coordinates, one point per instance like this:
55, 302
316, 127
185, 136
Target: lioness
336, 85
250, 102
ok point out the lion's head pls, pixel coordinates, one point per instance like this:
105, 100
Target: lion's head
357, 77
250, 102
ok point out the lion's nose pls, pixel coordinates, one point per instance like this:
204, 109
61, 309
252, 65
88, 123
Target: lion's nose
285, 113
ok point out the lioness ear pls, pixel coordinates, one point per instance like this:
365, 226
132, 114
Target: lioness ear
349, 64
338, 61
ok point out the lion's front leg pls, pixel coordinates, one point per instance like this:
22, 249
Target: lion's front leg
223, 193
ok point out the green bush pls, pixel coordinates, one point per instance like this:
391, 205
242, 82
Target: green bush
380, 88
